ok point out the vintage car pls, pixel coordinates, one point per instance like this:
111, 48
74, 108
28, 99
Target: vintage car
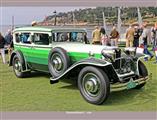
67, 51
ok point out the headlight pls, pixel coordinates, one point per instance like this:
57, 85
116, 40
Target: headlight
130, 51
109, 54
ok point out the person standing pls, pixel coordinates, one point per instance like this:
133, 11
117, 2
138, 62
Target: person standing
153, 35
145, 37
155, 42
130, 36
8, 37
2, 50
34, 23
114, 36
9, 42
96, 36
140, 32
86, 41
155, 50
136, 37
104, 37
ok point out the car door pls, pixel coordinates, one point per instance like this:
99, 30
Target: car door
41, 48
23, 43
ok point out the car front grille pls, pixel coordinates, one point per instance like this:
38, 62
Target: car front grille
123, 65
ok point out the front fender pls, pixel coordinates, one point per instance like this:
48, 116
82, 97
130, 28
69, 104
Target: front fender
21, 57
142, 56
11, 58
85, 62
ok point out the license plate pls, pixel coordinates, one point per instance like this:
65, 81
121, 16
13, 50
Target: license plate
131, 84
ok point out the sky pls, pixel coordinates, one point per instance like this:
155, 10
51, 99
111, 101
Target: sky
25, 15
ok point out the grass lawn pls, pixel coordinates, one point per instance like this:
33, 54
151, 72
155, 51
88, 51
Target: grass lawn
37, 94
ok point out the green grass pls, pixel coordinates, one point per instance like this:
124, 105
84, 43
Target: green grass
37, 94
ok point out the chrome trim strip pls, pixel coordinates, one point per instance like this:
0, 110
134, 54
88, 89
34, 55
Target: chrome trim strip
126, 74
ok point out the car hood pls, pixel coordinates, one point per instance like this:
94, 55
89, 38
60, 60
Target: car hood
82, 48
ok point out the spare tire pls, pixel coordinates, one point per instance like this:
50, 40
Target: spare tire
58, 61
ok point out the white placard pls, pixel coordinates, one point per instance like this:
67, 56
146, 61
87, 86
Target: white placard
156, 53
139, 50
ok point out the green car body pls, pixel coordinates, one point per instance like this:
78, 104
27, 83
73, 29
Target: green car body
60, 51
38, 54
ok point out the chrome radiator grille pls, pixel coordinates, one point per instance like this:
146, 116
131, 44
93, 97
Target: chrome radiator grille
123, 65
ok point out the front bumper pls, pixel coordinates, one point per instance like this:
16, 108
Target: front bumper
128, 85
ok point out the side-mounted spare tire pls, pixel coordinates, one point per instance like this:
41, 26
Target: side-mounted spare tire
142, 72
58, 61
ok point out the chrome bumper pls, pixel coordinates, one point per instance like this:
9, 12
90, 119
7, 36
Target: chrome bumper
128, 85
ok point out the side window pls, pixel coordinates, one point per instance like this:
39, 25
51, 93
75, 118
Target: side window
62, 37
23, 38
73, 36
41, 39
70, 37
77, 37
80, 37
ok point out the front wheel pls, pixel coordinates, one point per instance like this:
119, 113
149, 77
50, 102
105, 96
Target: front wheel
93, 84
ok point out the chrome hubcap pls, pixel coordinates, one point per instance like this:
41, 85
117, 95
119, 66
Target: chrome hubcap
91, 84
17, 65
57, 62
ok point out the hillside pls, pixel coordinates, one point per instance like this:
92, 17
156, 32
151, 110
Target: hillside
93, 16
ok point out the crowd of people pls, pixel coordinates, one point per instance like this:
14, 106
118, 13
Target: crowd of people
100, 37
6, 43
136, 36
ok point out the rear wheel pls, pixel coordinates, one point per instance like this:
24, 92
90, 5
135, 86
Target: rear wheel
94, 85
143, 73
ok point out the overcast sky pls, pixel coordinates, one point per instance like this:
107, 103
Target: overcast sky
25, 15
